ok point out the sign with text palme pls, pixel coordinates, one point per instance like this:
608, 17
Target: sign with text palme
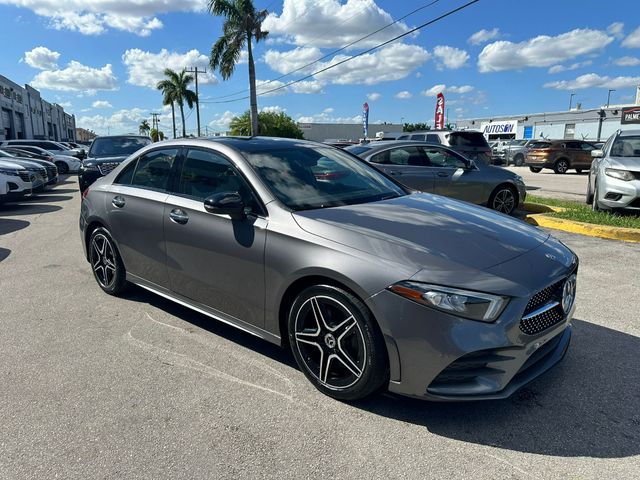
630, 115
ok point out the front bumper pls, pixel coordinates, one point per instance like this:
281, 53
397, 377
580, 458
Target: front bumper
621, 194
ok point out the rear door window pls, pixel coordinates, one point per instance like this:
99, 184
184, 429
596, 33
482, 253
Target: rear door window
439, 157
433, 138
420, 138
153, 169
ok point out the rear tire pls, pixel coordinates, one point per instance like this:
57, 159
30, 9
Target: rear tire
561, 166
589, 194
535, 169
106, 263
337, 344
518, 160
578, 171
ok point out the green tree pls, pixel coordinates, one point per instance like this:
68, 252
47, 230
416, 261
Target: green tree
144, 127
415, 127
175, 88
271, 124
156, 135
242, 25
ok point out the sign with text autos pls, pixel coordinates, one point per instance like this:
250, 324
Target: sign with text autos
439, 120
630, 115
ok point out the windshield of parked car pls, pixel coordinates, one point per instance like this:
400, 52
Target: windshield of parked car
305, 178
539, 145
117, 146
626, 147
467, 139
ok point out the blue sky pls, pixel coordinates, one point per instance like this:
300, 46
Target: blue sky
101, 58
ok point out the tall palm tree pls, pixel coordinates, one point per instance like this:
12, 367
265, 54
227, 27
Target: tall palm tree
168, 96
144, 127
175, 88
242, 25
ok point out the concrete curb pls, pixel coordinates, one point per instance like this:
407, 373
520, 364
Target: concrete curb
601, 231
540, 208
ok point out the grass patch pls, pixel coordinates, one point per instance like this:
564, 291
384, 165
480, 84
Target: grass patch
581, 212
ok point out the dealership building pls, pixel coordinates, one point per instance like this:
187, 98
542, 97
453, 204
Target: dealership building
24, 114
320, 132
595, 124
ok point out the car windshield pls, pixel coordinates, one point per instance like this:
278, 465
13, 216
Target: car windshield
357, 149
305, 178
117, 146
539, 145
626, 147
19, 153
467, 139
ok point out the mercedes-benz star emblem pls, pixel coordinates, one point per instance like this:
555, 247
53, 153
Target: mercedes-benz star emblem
569, 294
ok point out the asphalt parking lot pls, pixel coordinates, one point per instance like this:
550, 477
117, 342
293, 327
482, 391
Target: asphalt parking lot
570, 186
138, 387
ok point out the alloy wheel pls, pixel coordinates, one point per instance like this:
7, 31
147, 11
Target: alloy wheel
330, 342
562, 166
103, 260
504, 201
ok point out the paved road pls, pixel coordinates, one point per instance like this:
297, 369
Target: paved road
570, 186
99, 387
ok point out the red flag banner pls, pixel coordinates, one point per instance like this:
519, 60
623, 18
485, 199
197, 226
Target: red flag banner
440, 112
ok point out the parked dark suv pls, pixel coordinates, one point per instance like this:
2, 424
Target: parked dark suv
105, 154
559, 155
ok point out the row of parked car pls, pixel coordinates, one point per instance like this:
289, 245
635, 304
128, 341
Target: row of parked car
30, 166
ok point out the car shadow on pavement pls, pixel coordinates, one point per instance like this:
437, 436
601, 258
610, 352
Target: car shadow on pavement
10, 225
49, 197
57, 191
263, 347
588, 405
27, 209
4, 253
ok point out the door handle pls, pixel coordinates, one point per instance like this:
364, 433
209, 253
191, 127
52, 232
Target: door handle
118, 201
443, 174
179, 216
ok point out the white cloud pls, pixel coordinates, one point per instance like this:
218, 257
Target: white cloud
146, 69
288, 61
77, 77
566, 68
307, 87
331, 23
633, 39
94, 17
42, 58
372, 97
101, 104
441, 88
326, 117
616, 29
541, 51
222, 121
450, 57
273, 109
403, 95
483, 36
65, 104
122, 121
627, 61
593, 80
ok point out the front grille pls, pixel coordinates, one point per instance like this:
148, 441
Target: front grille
105, 168
24, 175
548, 303
52, 171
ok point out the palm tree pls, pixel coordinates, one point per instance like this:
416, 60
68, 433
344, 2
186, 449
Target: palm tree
175, 88
242, 25
144, 127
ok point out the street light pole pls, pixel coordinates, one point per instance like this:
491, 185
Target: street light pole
609, 96
571, 100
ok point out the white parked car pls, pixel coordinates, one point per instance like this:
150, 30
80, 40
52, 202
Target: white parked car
65, 163
55, 148
16, 181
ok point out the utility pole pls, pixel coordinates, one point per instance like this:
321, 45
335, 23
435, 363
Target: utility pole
155, 124
609, 97
571, 100
195, 71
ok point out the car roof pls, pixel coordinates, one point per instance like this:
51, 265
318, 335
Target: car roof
123, 136
256, 144
629, 133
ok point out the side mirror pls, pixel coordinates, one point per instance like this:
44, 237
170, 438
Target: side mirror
225, 203
471, 165
597, 153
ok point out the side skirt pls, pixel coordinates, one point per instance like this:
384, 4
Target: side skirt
200, 308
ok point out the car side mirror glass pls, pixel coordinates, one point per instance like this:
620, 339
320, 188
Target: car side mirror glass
225, 203
597, 153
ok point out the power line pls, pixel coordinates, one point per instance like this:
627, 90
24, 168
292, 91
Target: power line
195, 71
430, 22
339, 49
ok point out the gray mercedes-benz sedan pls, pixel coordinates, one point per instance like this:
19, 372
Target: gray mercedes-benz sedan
371, 285
439, 169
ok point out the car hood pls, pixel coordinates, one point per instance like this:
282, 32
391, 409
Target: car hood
98, 160
425, 231
625, 163
10, 165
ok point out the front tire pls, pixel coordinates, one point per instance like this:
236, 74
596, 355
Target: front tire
503, 199
337, 344
535, 169
62, 167
561, 166
106, 263
589, 194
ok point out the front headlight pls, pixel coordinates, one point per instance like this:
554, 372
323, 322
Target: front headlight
619, 174
13, 173
84, 167
463, 303
519, 179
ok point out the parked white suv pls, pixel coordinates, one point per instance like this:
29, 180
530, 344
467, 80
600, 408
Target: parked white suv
16, 181
54, 147
469, 143
65, 163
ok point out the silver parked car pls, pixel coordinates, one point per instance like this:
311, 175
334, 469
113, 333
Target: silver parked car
304, 245
614, 177
438, 169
